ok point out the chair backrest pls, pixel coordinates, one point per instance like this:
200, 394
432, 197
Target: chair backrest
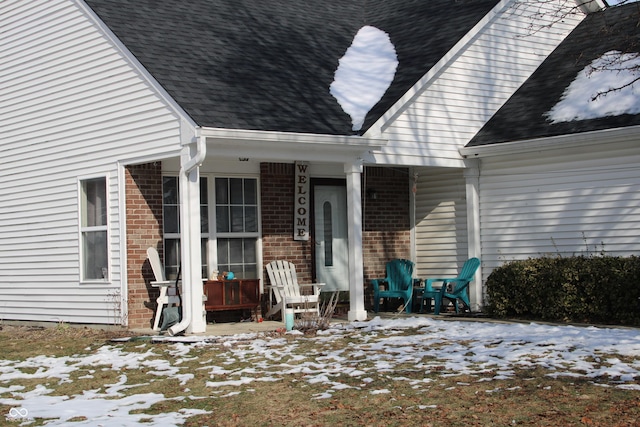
283, 274
466, 275
399, 274
156, 265
469, 269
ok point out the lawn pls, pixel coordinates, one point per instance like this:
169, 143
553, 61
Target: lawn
395, 372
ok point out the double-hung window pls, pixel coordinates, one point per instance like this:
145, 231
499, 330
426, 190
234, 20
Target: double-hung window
235, 215
93, 229
171, 224
237, 226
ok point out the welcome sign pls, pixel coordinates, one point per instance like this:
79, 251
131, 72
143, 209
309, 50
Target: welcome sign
302, 202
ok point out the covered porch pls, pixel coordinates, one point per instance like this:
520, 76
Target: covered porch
268, 158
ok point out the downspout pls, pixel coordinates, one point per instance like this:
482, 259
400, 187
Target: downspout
187, 284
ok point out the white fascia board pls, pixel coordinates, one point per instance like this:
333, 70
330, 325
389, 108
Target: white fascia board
576, 140
186, 122
384, 159
268, 145
416, 90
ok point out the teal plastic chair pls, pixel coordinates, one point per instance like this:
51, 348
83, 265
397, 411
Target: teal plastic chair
399, 284
453, 288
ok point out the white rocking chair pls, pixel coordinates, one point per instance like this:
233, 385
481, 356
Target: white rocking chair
287, 291
167, 287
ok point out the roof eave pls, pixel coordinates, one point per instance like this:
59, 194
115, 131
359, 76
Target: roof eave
575, 140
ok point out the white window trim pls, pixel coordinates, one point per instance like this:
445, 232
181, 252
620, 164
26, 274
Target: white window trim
212, 244
213, 235
106, 228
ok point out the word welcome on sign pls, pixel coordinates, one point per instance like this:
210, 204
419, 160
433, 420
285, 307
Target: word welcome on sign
301, 204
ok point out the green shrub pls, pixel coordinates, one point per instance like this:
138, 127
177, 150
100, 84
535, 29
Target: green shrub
590, 289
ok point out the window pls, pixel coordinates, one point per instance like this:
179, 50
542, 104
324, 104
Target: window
328, 235
171, 225
236, 225
93, 229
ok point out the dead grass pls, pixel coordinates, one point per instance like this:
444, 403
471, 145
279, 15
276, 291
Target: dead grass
416, 396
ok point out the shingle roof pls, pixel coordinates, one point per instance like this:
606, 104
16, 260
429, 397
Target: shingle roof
523, 116
268, 65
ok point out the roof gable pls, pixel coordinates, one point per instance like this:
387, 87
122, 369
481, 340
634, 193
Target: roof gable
268, 65
526, 115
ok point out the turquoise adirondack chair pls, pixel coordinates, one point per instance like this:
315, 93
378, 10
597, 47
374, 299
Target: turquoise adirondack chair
453, 288
399, 284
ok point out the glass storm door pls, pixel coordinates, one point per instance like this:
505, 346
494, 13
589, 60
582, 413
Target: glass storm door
331, 238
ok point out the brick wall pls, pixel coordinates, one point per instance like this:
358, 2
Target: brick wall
386, 228
386, 231
144, 229
277, 191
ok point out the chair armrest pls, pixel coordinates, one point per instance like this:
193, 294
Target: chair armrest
428, 283
377, 282
166, 283
316, 287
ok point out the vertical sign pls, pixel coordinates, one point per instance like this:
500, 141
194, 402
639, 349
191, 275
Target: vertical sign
301, 204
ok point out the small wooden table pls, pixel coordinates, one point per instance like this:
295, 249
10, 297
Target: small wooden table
236, 294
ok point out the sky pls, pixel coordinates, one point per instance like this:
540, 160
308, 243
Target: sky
581, 100
364, 73
439, 346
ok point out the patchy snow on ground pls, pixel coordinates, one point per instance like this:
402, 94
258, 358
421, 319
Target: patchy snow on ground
364, 73
490, 350
604, 88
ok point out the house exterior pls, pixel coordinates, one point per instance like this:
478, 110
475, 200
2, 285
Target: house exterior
209, 131
559, 161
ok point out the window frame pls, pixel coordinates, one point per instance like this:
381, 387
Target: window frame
82, 229
213, 228
211, 237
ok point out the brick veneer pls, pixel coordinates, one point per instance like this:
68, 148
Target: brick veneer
277, 187
386, 228
143, 185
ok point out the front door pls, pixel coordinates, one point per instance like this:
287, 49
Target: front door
331, 237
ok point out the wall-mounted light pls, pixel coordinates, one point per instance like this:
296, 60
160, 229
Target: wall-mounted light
372, 194
243, 159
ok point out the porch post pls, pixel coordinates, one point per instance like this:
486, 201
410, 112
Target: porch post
191, 251
354, 223
472, 184
193, 314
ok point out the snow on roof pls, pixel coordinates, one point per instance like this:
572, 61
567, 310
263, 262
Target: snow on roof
364, 73
602, 89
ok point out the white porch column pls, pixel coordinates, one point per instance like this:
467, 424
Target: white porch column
193, 314
353, 172
191, 251
472, 183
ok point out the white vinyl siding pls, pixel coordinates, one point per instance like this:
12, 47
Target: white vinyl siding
72, 106
452, 103
582, 203
441, 222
